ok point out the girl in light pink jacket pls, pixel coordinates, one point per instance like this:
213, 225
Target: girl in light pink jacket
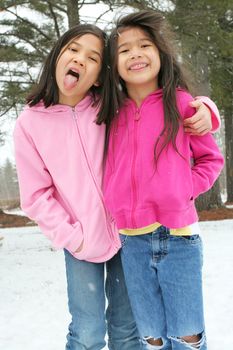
59, 155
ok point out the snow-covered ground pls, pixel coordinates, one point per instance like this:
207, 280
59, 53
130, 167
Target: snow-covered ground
33, 304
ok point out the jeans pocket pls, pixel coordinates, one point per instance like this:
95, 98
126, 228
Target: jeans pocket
192, 239
123, 239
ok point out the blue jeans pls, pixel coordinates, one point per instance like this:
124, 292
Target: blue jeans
163, 275
86, 286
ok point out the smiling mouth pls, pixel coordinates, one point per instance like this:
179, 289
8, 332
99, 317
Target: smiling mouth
138, 66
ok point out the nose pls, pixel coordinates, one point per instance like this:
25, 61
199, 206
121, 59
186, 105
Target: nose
79, 59
135, 53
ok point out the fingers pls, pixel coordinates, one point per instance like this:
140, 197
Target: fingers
192, 120
79, 248
198, 132
199, 128
196, 126
196, 103
200, 123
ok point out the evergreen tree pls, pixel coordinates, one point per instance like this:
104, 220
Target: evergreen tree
28, 31
205, 30
9, 185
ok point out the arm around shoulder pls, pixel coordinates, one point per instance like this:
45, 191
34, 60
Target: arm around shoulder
215, 116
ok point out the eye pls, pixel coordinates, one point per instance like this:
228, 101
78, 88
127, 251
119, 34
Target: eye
124, 51
93, 59
72, 49
145, 45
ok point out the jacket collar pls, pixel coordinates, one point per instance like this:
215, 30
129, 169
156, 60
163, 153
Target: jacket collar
59, 108
152, 97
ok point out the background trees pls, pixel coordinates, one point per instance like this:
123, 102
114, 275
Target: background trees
204, 30
9, 186
28, 31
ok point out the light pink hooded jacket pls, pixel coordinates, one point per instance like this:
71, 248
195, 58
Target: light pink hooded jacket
59, 158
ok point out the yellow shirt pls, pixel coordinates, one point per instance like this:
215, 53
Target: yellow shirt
182, 231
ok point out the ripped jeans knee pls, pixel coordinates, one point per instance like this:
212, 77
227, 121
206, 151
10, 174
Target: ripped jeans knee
151, 343
197, 342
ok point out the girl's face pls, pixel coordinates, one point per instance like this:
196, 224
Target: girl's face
78, 67
138, 60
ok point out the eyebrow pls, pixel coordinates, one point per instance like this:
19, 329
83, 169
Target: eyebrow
140, 40
93, 51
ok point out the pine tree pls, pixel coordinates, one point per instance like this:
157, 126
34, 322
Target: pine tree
205, 30
29, 29
9, 185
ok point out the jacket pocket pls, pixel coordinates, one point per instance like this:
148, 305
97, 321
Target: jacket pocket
98, 242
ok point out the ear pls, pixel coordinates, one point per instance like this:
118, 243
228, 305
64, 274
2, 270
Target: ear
97, 83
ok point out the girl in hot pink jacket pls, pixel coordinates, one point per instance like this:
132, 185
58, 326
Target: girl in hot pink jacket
153, 173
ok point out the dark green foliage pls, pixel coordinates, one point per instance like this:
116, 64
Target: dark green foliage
29, 29
205, 29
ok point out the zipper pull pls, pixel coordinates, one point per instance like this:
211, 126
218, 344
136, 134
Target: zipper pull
74, 113
137, 114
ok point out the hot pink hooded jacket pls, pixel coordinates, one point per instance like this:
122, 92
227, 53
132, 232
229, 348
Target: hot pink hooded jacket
136, 193
59, 158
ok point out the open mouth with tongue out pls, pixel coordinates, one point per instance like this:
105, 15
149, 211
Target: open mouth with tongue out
71, 78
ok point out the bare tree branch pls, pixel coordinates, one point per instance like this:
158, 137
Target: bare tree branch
59, 8
32, 80
102, 14
54, 19
7, 110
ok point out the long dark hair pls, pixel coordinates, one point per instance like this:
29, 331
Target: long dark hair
47, 88
170, 75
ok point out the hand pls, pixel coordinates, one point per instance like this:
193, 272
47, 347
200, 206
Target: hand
79, 248
200, 123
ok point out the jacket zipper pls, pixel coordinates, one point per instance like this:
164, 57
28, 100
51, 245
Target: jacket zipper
133, 168
91, 172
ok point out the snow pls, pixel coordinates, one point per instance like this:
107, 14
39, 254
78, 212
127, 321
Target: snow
33, 299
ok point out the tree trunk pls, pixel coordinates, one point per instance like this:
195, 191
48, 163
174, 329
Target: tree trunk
210, 199
73, 12
202, 83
